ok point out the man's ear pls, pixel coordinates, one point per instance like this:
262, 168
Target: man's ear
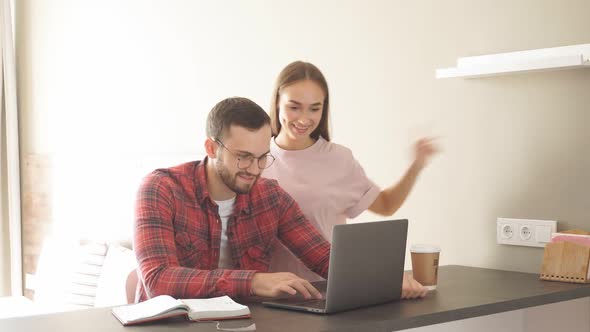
211, 148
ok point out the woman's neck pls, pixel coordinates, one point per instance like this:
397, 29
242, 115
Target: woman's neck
286, 143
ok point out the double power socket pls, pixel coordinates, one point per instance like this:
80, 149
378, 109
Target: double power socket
525, 232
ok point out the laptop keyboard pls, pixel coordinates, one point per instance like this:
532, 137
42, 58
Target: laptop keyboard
310, 303
320, 304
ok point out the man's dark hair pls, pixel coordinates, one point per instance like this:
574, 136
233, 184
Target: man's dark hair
238, 111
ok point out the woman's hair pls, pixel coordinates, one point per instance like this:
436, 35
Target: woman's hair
292, 73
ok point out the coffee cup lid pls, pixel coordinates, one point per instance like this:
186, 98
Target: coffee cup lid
424, 248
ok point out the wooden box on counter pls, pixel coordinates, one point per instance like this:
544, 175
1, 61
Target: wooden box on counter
566, 261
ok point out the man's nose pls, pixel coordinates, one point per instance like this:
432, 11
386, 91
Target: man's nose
253, 168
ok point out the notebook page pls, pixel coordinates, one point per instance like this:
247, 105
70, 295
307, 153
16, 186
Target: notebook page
150, 308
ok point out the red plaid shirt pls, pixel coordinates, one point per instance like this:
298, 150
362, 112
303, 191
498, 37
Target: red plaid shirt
178, 234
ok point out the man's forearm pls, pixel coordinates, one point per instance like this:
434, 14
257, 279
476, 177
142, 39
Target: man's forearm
183, 282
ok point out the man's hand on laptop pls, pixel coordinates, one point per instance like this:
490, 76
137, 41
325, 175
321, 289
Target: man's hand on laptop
411, 289
279, 283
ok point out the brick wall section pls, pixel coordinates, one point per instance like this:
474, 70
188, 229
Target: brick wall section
36, 210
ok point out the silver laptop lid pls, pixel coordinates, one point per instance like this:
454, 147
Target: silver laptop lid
366, 264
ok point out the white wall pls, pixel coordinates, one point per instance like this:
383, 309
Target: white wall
112, 76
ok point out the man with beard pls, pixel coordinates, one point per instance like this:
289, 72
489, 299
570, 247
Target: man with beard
206, 228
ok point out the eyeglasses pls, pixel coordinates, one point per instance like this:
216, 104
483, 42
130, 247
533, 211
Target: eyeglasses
244, 162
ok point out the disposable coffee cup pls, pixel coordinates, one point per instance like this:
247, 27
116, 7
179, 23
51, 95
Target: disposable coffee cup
425, 264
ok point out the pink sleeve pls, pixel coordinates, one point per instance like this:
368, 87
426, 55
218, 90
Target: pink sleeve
362, 186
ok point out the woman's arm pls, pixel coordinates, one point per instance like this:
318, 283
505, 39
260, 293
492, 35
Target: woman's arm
392, 198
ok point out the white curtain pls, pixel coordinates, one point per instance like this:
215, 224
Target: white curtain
11, 261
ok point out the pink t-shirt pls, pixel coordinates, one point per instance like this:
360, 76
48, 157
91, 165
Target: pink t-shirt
328, 184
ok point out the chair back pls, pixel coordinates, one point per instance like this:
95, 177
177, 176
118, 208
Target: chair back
131, 287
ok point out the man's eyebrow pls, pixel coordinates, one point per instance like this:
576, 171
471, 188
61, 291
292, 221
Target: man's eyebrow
250, 153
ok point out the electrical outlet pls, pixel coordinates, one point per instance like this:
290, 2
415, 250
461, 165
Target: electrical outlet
506, 231
524, 232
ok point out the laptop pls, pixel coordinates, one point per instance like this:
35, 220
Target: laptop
366, 268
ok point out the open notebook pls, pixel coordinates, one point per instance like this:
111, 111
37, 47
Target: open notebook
164, 306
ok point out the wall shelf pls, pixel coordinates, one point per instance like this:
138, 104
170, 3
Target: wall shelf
556, 58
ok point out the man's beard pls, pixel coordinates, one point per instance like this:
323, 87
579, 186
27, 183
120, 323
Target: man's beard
231, 182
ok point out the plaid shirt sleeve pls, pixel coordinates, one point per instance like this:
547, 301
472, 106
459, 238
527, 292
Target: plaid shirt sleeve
156, 251
301, 237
